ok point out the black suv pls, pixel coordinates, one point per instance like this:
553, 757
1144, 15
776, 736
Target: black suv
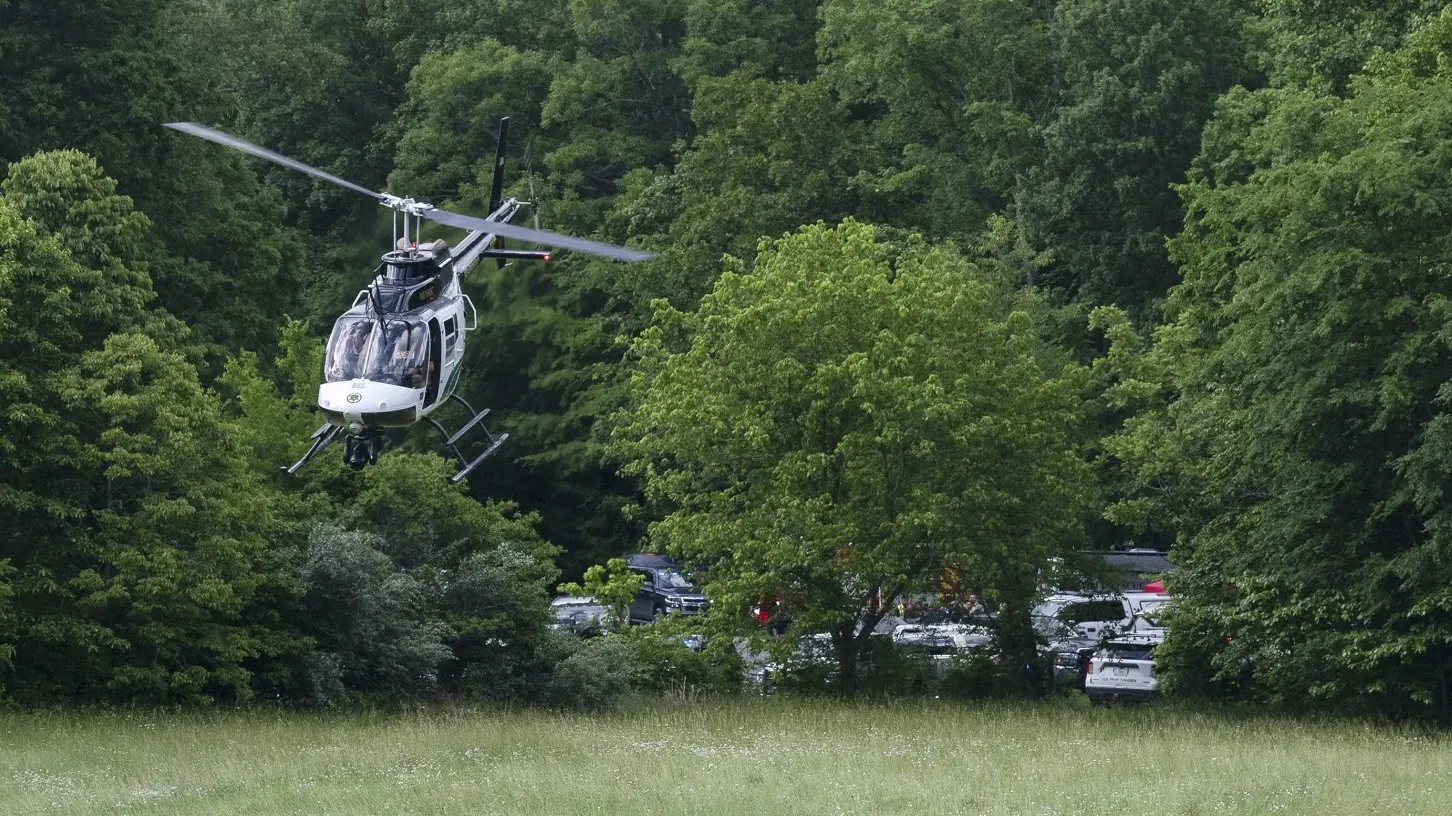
666, 589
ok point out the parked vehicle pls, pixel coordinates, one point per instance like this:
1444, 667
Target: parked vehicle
580, 615
814, 655
1071, 661
666, 591
953, 636
1123, 668
1147, 620
1085, 616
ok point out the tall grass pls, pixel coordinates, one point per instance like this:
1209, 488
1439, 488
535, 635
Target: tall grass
748, 756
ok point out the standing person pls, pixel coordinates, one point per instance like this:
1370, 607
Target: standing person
974, 608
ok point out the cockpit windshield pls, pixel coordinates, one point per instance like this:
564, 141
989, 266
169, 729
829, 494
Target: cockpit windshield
394, 352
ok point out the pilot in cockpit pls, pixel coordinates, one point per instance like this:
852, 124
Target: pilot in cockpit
353, 344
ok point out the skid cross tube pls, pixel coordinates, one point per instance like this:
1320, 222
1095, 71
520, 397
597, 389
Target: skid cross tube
451, 440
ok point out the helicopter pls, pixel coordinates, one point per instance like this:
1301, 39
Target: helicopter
394, 356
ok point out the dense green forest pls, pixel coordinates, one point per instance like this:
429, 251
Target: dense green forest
941, 285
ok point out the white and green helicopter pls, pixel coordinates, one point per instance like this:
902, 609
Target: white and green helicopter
395, 355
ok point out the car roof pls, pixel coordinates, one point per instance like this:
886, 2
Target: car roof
650, 560
1080, 597
574, 600
1148, 639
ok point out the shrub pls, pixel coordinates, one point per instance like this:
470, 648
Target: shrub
596, 677
663, 661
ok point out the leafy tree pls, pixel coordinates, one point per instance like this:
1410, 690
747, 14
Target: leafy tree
375, 627
770, 40
1320, 45
1296, 437
952, 92
65, 193
1139, 80
842, 424
455, 100
81, 74
610, 584
139, 546
142, 583
101, 77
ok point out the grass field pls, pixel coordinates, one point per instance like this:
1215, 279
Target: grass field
749, 757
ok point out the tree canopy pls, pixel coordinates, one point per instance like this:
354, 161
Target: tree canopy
959, 287
846, 422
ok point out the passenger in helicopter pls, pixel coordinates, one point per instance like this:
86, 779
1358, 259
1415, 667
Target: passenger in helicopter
353, 347
405, 347
419, 377
346, 352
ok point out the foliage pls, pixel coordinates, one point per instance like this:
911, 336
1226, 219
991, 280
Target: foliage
951, 93
833, 417
139, 545
378, 637
610, 584
102, 77
844, 423
1320, 45
1140, 79
596, 677
1299, 443
665, 662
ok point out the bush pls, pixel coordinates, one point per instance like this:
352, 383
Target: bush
663, 662
596, 677
377, 632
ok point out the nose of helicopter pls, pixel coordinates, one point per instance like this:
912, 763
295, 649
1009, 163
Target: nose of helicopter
371, 403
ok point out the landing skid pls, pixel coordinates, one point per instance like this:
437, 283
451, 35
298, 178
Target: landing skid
451, 440
322, 437
362, 448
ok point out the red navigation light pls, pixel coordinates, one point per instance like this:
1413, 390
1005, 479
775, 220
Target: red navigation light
546, 257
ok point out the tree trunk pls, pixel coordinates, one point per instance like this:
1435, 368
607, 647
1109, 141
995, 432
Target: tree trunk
846, 647
1018, 644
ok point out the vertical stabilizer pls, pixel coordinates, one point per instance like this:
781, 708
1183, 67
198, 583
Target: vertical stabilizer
496, 190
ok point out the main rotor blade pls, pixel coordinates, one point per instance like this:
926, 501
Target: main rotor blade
604, 250
212, 135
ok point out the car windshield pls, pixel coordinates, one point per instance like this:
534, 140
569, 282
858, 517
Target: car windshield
673, 579
1151, 610
393, 352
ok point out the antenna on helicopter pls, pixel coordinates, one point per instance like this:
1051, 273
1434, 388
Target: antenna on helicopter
496, 189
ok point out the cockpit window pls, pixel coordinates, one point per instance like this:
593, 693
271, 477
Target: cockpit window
394, 352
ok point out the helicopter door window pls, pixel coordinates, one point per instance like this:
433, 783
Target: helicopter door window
423, 295
451, 333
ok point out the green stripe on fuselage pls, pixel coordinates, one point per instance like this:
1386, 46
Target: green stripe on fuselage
453, 381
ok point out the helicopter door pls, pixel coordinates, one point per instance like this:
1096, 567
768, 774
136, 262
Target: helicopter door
436, 363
